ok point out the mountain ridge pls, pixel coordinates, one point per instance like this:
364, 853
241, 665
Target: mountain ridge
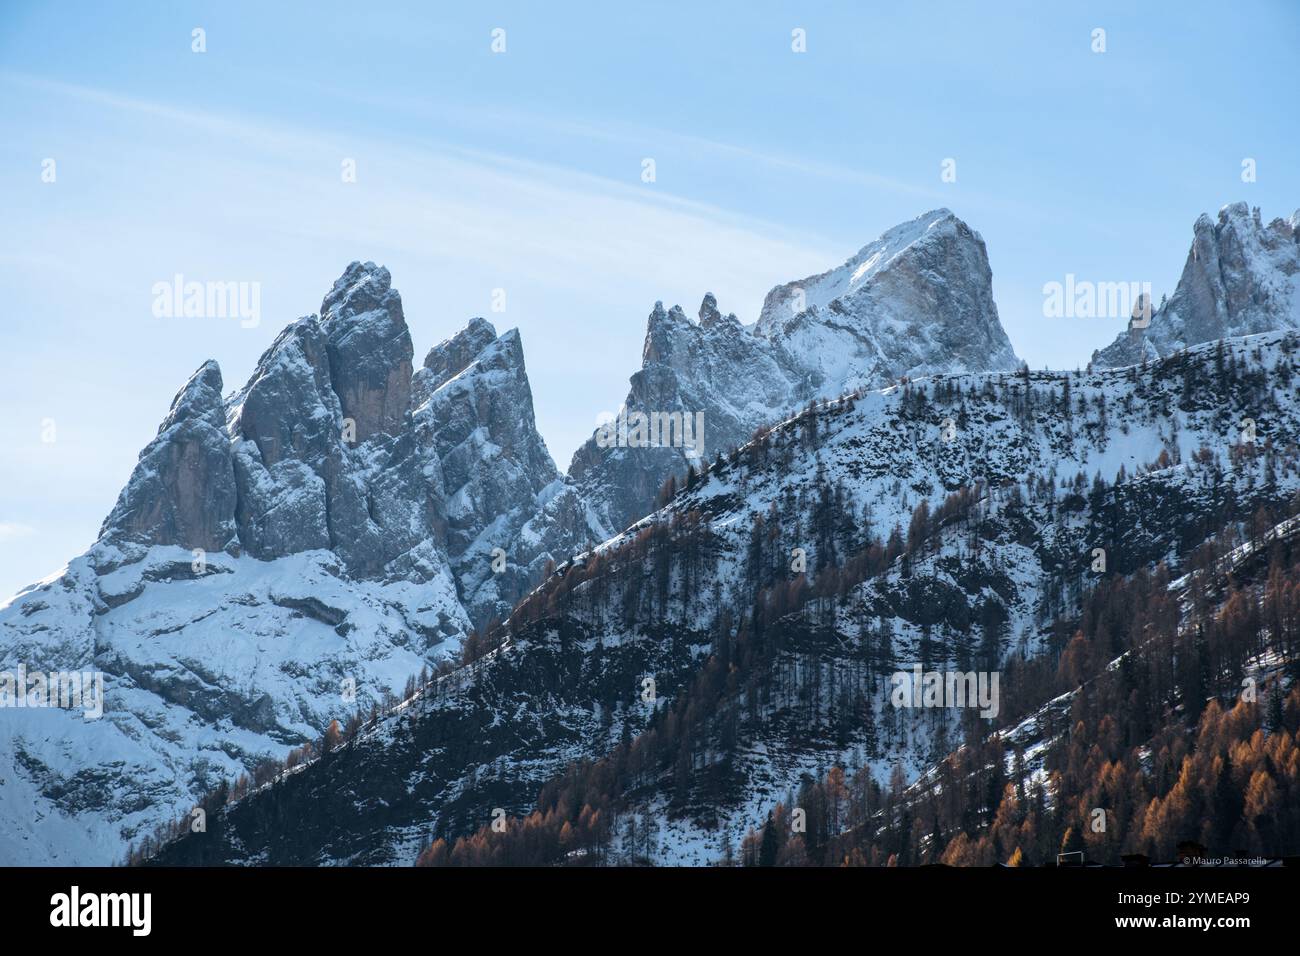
293, 552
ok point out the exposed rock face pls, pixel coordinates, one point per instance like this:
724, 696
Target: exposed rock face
334, 444
715, 366
303, 483
448, 359
287, 424
183, 489
369, 349
1240, 278
917, 301
475, 419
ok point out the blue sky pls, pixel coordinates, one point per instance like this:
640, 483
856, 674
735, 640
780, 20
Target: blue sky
522, 171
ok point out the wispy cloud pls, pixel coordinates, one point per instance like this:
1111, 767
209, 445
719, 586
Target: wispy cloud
424, 197
490, 118
10, 530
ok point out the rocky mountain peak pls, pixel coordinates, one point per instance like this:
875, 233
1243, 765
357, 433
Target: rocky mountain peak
791, 299
199, 398
1240, 278
473, 415
449, 358
334, 444
710, 316
363, 287
369, 348
661, 332
182, 490
709, 310
916, 301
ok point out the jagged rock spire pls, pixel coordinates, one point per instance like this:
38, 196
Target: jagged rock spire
1240, 278
182, 491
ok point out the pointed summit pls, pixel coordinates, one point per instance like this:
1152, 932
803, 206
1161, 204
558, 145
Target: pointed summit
1240, 278
199, 398
918, 300
473, 414
448, 359
709, 310
363, 287
182, 491
791, 299
369, 348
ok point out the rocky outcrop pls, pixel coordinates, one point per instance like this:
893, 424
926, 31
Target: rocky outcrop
917, 301
182, 491
475, 420
369, 349
1241, 277
334, 444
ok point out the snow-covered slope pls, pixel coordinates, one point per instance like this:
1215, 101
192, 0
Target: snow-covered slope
205, 674
1241, 277
990, 574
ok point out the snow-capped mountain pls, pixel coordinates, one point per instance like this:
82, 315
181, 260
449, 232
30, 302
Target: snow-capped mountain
281, 557
1241, 277
916, 301
298, 550
946, 520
